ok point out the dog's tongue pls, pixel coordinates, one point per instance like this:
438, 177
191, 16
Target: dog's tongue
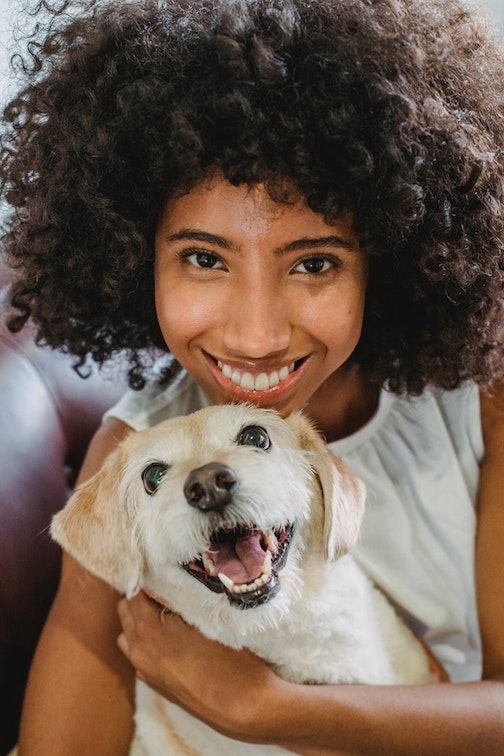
242, 561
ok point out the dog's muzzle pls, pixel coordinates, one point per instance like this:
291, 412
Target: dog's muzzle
243, 561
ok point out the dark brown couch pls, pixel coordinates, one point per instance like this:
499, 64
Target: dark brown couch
47, 417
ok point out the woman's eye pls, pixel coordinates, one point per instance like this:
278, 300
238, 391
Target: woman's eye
152, 476
254, 435
204, 260
315, 265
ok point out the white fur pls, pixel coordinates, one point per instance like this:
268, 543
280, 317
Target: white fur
327, 623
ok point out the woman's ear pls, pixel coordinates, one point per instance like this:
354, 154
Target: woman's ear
343, 493
95, 528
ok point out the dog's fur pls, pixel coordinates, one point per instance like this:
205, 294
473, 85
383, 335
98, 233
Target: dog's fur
316, 619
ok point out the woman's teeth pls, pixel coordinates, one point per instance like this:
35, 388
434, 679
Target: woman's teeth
261, 382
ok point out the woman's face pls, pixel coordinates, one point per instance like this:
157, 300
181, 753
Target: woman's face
259, 301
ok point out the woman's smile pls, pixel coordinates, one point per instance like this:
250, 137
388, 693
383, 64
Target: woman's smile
261, 382
256, 383
259, 301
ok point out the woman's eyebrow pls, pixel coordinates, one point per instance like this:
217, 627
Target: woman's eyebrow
190, 234
300, 245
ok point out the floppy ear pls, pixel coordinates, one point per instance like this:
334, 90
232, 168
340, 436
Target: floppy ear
96, 529
343, 492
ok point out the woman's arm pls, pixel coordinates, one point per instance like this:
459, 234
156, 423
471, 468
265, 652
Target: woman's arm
80, 693
490, 537
237, 694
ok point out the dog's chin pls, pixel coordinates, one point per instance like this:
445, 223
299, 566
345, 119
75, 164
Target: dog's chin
264, 554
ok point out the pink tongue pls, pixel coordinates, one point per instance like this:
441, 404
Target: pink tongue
241, 561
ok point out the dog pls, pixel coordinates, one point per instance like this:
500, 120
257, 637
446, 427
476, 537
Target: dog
242, 522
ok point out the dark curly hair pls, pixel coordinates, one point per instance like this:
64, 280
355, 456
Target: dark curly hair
392, 109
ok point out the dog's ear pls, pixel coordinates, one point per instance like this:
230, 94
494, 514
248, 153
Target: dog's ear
97, 531
343, 493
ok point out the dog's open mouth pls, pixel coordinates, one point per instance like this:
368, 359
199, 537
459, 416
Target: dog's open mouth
244, 563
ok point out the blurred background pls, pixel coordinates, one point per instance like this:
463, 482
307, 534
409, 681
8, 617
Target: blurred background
495, 9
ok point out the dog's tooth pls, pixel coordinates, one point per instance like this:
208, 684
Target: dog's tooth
235, 588
260, 581
208, 563
271, 541
267, 564
227, 582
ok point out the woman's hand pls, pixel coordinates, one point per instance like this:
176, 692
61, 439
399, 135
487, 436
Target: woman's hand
233, 691
236, 693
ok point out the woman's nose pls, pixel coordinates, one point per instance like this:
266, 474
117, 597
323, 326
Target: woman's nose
257, 322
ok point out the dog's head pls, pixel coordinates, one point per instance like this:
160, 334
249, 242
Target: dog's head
219, 506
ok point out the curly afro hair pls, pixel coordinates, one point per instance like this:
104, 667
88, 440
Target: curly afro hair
392, 109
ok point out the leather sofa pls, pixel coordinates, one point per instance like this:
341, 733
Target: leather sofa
48, 414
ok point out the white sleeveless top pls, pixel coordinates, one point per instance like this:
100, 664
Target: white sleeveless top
419, 458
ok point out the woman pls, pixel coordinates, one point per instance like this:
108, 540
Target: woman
301, 202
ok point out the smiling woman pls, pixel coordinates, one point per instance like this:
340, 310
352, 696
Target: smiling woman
254, 99
295, 204
259, 301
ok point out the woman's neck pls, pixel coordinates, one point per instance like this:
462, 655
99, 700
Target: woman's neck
343, 404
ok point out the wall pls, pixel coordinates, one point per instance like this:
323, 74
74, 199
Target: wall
496, 10
7, 8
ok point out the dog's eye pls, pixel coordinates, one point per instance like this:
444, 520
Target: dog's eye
254, 435
152, 476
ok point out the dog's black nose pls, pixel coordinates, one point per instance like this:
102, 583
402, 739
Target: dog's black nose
210, 486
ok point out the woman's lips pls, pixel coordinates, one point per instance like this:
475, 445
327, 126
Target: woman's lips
261, 382
265, 386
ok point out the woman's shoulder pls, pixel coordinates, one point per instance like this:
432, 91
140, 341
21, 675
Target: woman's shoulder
492, 419
154, 403
421, 420
421, 465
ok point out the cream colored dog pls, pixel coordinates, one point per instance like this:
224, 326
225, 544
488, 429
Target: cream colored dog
241, 522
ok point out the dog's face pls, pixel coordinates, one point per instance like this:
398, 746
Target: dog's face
215, 511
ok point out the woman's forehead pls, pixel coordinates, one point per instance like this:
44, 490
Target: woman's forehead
217, 206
